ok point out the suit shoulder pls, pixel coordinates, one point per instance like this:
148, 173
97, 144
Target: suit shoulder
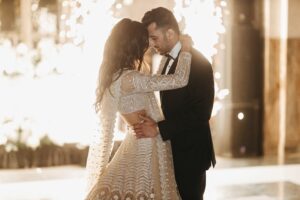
200, 62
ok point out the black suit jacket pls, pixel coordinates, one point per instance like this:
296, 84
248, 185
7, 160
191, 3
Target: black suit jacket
187, 112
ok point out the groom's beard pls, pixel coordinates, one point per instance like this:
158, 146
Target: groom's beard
160, 51
165, 49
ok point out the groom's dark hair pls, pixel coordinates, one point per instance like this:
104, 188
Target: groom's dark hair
163, 18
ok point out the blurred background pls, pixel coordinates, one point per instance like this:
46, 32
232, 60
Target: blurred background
50, 52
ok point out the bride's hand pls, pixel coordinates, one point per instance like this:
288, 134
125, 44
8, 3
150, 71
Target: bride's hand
186, 42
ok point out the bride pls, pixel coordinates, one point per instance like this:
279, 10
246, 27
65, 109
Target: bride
141, 168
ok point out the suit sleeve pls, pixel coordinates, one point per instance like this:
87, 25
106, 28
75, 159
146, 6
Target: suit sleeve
198, 112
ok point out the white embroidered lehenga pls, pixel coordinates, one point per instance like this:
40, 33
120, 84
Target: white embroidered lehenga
141, 168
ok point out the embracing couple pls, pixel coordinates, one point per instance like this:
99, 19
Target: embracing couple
167, 149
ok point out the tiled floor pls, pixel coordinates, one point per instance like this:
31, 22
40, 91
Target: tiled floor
255, 183
232, 179
275, 190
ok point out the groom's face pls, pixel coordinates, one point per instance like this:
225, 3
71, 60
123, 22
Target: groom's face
158, 39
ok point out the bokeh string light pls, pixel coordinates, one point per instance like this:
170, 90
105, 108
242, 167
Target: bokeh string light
55, 80
203, 20
53, 83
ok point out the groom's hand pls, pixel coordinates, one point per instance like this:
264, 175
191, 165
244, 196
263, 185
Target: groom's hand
146, 129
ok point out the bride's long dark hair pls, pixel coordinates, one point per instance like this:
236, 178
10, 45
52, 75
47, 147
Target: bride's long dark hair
124, 50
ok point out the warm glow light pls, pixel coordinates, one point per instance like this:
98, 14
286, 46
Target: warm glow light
223, 3
216, 108
127, 2
205, 12
221, 94
119, 6
39, 170
282, 79
240, 116
217, 75
60, 106
65, 3
34, 7
3, 139
62, 17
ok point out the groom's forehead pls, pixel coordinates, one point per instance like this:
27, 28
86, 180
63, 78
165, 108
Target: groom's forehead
152, 26
154, 29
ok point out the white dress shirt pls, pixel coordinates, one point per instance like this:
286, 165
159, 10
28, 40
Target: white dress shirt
173, 53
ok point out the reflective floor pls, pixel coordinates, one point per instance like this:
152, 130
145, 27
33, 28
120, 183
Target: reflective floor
232, 179
255, 183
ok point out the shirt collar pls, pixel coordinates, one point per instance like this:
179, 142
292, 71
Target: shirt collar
176, 49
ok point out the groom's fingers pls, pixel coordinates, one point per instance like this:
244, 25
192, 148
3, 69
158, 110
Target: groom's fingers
140, 135
138, 130
144, 118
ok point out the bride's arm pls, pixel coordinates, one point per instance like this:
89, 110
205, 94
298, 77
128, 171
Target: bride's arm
135, 81
102, 141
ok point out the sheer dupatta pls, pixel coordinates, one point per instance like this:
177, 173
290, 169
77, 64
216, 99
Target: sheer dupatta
102, 141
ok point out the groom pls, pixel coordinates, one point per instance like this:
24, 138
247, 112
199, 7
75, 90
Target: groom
187, 110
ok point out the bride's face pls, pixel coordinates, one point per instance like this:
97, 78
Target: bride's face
158, 39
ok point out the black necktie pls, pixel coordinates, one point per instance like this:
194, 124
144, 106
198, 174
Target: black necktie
164, 71
167, 63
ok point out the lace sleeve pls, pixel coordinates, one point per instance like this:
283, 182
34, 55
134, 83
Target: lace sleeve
102, 141
135, 81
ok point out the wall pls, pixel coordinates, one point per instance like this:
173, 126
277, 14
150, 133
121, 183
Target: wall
272, 84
